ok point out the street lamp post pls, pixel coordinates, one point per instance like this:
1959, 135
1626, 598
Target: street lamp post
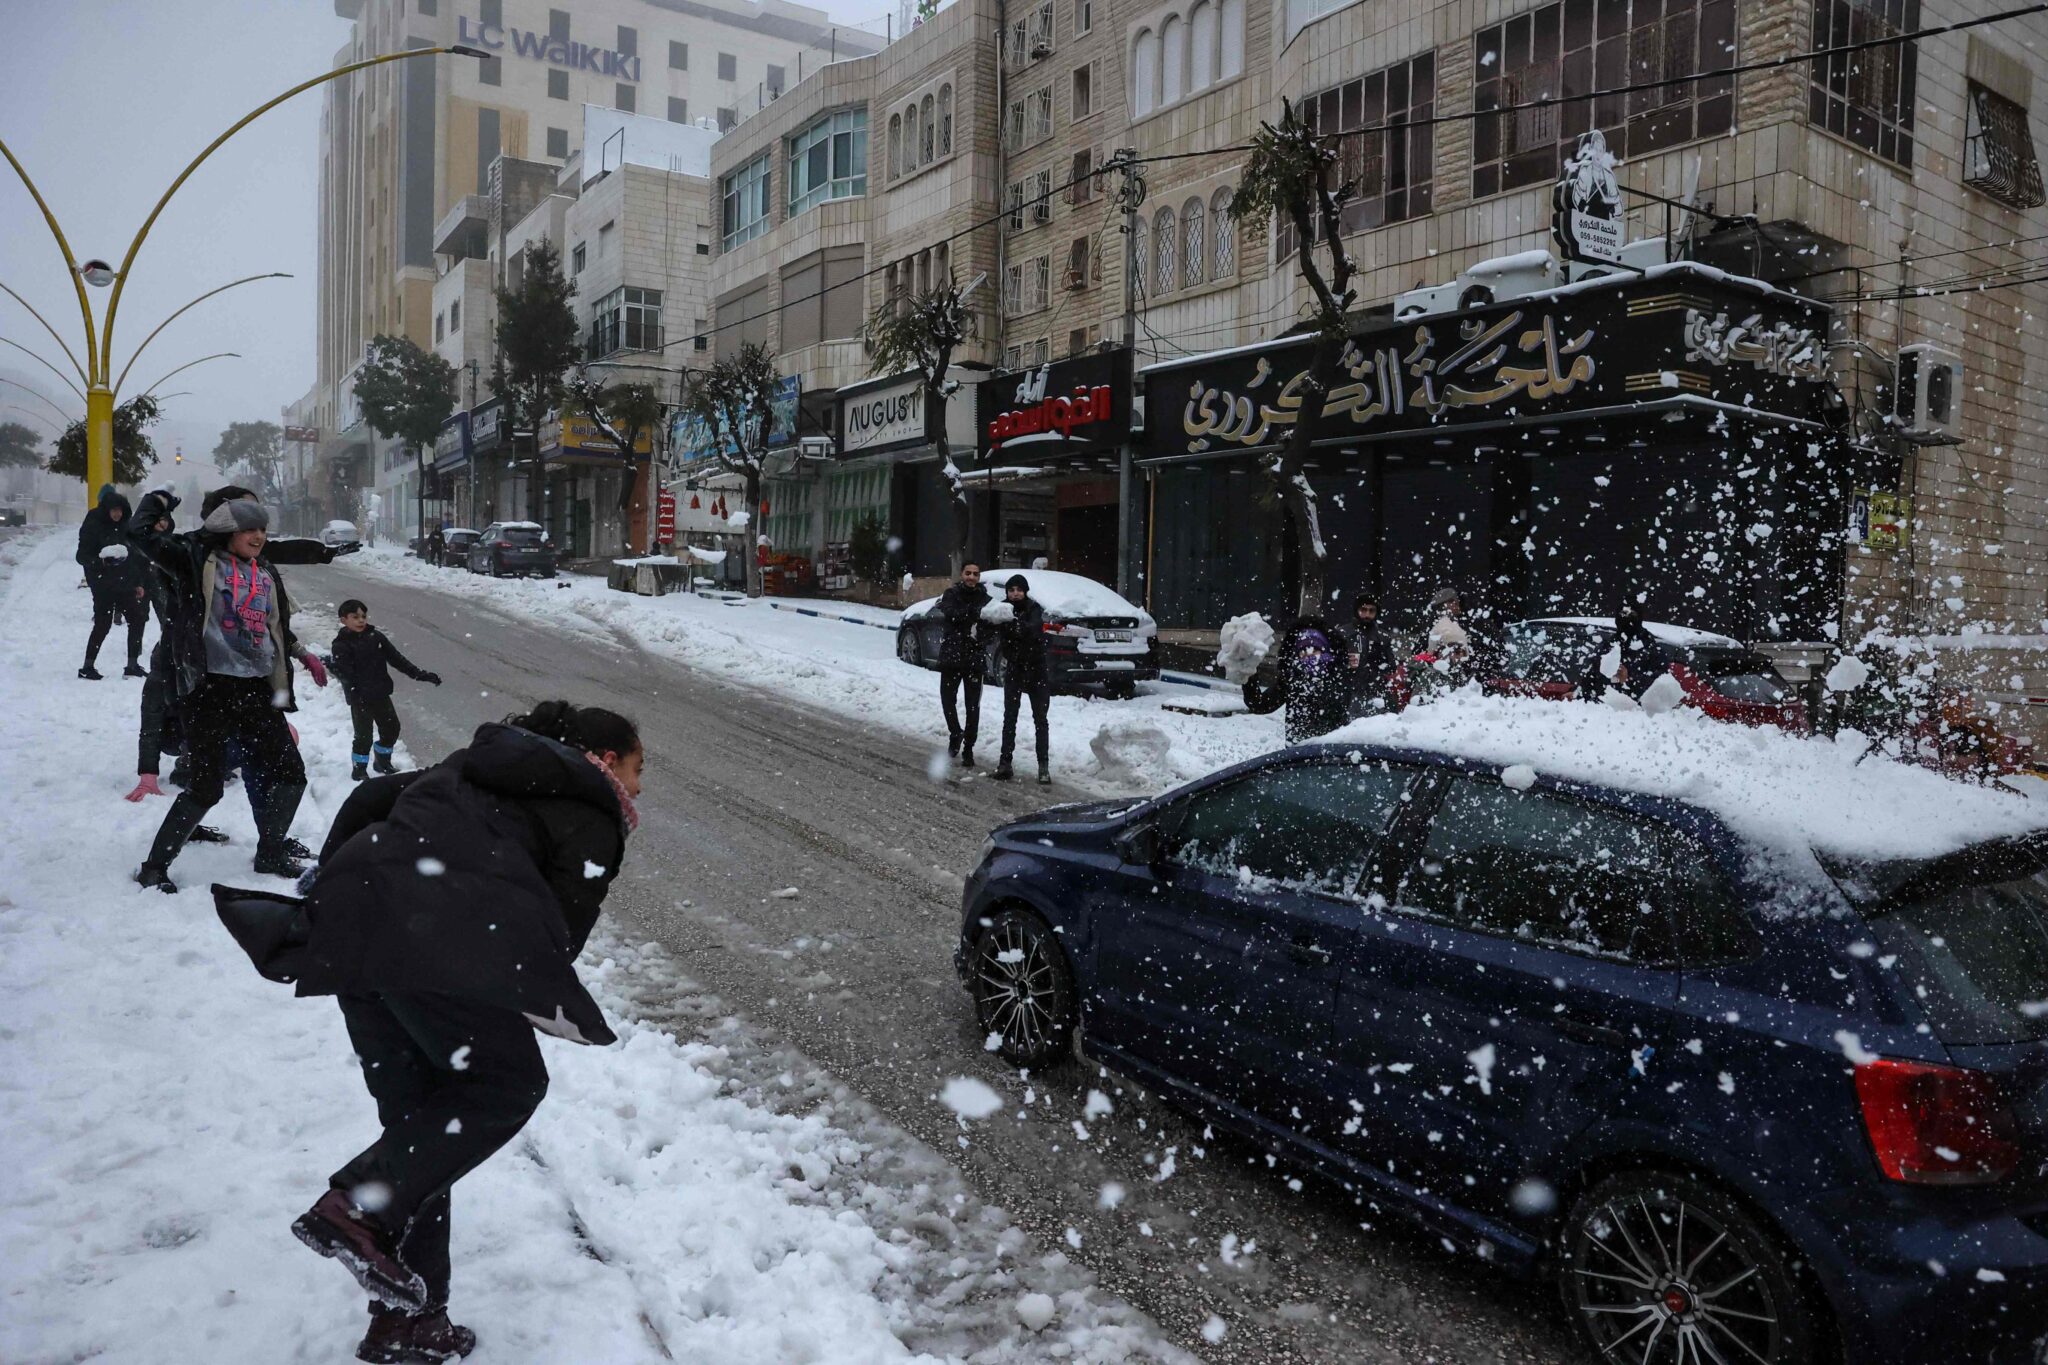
99, 335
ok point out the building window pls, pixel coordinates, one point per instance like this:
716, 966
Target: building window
1193, 218
1392, 170
1084, 93
728, 67
746, 202
440, 328
1081, 180
490, 13
1038, 189
1578, 47
895, 145
927, 131
945, 137
1026, 285
1145, 73
607, 237
829, 160
1030, 119
1140, 245
1079, 257
1203, 47
558, 84
455, 316
678, 109
625, 98
699, 341
1866, 97
558, 25
579, 256
558, 143
777, 78
678, 56
491, 71
1030, 37
1222, 237
1230, 27
1165, 241
629, 41
626, 319
430, 8
1998, 150
1173, 59
1084, 16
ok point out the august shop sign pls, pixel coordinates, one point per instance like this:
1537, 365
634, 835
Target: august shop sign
539, 47
883, 418
1681, 331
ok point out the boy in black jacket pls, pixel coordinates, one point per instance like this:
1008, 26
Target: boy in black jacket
360, 655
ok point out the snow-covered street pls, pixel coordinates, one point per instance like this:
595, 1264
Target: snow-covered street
166, 1113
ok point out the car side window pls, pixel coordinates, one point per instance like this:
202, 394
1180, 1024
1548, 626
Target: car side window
1305, 826
1553, 870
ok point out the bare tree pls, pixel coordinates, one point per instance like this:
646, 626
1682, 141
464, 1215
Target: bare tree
1288, 176
924, 334
734, 402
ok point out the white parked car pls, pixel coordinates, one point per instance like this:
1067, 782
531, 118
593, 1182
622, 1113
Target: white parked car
1093, 636
341, 537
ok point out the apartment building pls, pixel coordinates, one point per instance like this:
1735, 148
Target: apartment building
402, 143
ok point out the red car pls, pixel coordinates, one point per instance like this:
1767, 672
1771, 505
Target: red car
1548, 656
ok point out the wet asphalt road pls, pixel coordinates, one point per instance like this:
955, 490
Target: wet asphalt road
747, 796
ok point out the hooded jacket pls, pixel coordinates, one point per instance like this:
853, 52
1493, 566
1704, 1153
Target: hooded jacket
1022, 638
97, 532
960, 608
478, 878
363, 660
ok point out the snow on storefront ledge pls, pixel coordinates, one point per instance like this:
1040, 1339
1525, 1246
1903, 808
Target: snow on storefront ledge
1778, 791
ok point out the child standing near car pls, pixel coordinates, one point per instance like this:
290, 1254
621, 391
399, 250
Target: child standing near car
362, 658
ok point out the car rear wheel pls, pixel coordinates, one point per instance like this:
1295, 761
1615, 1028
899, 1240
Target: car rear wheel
497, 567
1023, 989
906, 644
1664, 1270
1120, 689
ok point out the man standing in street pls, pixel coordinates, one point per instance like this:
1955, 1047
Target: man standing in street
960, 661
1372, 657
115, 580
437, 545
1020, 625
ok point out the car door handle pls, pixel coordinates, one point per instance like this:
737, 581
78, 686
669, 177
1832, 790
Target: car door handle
1586, 1031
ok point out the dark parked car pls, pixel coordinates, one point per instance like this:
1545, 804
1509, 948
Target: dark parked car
512, 547
456, 545
1094, 637
1721, 676
1569, 1029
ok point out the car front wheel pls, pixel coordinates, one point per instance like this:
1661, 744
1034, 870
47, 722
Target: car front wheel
1023, 989
1665, 1270
906, 644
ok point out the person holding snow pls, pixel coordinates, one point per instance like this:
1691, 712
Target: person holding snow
1313, 678
115, 579
1020, 634
360, 656
445, 915
1371, 659
960, 661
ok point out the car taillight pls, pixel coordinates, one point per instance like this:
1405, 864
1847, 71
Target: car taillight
1936, 1125
501, 544
1053, 627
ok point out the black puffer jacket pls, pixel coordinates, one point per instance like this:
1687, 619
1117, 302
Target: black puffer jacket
363, 660
478, 878
1022, 640
960, 608
100, 530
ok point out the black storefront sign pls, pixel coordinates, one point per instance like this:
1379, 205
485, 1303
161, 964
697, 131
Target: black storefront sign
1680, 336
1080, 406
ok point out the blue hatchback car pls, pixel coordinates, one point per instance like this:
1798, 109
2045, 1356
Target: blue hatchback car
1738, 1118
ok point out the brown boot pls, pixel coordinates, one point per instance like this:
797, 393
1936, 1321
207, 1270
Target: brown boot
336, 1228
396, 1336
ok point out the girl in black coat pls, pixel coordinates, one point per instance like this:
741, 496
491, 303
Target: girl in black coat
446, 914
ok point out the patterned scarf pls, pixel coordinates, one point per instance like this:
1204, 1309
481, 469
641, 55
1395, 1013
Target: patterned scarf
626, 810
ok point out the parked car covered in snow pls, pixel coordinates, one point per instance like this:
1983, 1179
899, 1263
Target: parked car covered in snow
456, 543
1094, 637
1550, 657
1739, 1041
512, 547
341, 537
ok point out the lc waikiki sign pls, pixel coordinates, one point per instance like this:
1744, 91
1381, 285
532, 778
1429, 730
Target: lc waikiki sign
540, 47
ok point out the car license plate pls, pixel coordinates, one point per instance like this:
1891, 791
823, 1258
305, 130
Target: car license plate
1113, 637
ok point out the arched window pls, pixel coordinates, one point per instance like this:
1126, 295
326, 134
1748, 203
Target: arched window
1201, 45
1139, 245
1164, 241
1173, 60
1232, 43
927, 128
1197, 254
1222, 237
945, 120
1145, 73
895, 145
910, 138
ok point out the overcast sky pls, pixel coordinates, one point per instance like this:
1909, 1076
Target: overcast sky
103, 102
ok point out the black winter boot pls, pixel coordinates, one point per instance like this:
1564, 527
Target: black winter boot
357, 772
426, 1336
273, 857
206, 834
382, 764
171, 836
1002, 772
336, 1228
151, 875
134, 670
89, 673
952, 746
967, 758
1044, 776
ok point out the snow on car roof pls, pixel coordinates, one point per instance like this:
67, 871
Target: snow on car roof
1683, 636
1775, 790
1067, 595
340, 525
458, 530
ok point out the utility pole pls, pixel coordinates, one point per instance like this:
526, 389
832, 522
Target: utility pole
1130, 193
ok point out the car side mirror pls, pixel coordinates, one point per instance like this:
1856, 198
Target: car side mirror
1142, 846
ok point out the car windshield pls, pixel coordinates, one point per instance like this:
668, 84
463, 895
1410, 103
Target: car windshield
1970, 933
1739, 674
1552, 653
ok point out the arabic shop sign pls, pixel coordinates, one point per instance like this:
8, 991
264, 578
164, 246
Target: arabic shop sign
1077, 406
539, 47
691, 441
1586, 204
1684, 334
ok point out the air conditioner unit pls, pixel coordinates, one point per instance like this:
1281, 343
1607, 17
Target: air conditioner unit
1927, 398
1494, 281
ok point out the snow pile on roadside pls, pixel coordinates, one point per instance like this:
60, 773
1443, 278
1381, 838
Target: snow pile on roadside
168, 1113
1779, 791
853, 670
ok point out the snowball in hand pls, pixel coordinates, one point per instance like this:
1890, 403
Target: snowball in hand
1665, 694
970, 1098
1848, 674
